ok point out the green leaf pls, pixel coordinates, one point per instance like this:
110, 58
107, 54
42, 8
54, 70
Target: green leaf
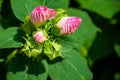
117, 49
1, 28
23, 8
117, 76
69, 43
106, 8
1, 60
22, 68
86, 33
57, 3
102, 46
1, 4
0, 8
37, 70
11, 38
72, 67
17, 68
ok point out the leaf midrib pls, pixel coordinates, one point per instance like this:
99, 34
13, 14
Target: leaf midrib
74, 68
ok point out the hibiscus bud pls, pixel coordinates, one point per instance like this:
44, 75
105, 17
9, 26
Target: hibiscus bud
41, 14
69, 25
39, 37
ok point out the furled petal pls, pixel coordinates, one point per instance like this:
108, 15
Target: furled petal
39, 37
41, 14
69, 25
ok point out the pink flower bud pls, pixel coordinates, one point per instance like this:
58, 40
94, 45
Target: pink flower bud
39, 37
69, 25
41, 14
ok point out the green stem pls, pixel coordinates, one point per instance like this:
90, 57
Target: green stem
10, 56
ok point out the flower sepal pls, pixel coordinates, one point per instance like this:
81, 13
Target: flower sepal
56, 30
28, 27
52, 50
31, 49
60, 14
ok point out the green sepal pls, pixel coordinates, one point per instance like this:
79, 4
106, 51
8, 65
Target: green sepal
60, 14
56, 46
61, 11
32, 49
28, 27
35, 52
52, 50
48, 26
56, 30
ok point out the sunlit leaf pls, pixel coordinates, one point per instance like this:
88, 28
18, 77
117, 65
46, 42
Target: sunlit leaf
11, 38
72, 67
106, 8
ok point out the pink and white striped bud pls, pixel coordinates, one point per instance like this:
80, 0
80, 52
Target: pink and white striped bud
39, 37
41, 14
69, 25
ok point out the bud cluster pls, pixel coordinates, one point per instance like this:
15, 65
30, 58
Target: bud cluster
47, 27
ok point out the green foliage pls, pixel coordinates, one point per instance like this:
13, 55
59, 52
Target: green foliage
106, 8
26, 69
117, 76
0, 4
38, 70
102, 47
1, 28
23, 8
11, 35
55, 3
69, 68
69, 43
0, 10
117, 48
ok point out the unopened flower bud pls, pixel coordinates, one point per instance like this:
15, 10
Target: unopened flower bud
41, 14
39, 37
69, 25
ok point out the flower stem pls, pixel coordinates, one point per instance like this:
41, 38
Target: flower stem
10, 56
